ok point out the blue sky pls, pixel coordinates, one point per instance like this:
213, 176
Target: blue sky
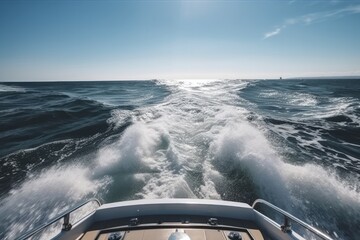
94, 40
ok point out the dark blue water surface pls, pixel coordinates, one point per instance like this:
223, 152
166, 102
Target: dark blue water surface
295, 143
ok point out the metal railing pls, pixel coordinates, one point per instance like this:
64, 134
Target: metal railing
286, 227
66, 215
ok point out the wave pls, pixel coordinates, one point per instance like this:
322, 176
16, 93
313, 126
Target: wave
6, 88
293, 98
43, 196
309, 190
59, 117
202, 139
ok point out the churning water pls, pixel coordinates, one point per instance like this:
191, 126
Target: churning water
295, 143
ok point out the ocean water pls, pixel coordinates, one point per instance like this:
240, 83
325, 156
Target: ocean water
295, 143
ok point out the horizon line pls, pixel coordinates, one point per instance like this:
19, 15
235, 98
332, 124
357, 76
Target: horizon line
182, 79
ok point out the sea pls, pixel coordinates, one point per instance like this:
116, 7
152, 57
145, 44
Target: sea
293, 142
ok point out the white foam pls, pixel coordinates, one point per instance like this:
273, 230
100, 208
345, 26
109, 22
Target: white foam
312, 180
269, 93
134, 149
211, 178
119, 117
308, 191
245, 146
166, 185
144, 151
5, 88
189, 84
293, 98
192, 116
45, 195
197, 126
303, 99
335, 107
164, 139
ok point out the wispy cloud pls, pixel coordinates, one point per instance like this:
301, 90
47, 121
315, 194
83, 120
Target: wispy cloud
334, 1
314, 17
273, 33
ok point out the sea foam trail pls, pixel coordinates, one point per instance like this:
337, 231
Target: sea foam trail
144, 151
191, 144
162, 146
204, 110
242, 146
309, 191
44, 196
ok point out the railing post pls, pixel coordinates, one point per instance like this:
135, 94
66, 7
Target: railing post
286, 227
66, 225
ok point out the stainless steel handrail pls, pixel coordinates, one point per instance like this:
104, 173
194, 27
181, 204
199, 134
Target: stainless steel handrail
66, 215
286, 227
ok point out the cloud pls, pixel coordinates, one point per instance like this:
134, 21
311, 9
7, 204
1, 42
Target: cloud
314, 17
273, 33
334, 1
